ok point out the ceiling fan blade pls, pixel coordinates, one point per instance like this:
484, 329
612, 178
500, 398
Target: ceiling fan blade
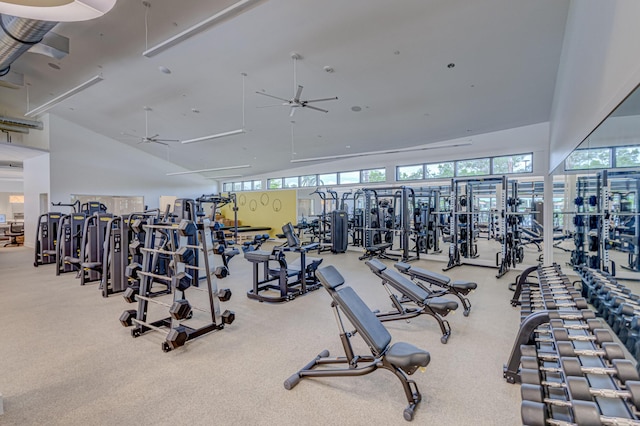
271, 96
158, 142
129, 135
152, 137
293, 110
296, 98
335, 98
272, 105
165, 140
316, 108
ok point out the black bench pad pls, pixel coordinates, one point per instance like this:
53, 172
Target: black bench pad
464, 286
406, 356
92, 265
330, 277
442, 305
257, 256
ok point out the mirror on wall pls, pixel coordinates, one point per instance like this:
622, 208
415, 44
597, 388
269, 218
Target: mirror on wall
598, 208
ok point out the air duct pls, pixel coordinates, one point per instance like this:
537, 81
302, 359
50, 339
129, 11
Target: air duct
17, 35
21, 122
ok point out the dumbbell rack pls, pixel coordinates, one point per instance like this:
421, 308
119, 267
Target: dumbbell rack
571, 371
615, 303
176, 236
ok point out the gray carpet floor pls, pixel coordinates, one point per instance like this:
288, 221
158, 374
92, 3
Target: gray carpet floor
66, 360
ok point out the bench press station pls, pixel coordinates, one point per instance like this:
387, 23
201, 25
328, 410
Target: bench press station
302, 270
457, 288
401, 358
428, 303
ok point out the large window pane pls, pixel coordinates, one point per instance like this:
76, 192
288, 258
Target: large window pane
513, 164
246, 185
291, 182
476, 167
309, 180
227, 187
237, 186
257, 184
439, 170
374, 175
274, 183
410, 172
328, 179
597, 158
349, 177
628, 156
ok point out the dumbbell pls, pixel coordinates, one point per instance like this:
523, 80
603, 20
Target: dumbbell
562, 335
181, 281
131, 271
579, 389
224, 294
186, 255
130, 293
591, 324
623, 369
537, 413
134, 247
609, 351
176, 337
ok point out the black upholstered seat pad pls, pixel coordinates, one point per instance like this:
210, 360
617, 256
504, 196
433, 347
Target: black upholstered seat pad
405, 356
365, 322
376, 266
257, 256
442, 304
461, 285
330, 277
231, 252
92, 265
430, 276
72, 260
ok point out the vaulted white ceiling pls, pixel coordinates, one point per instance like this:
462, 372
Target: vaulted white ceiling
406, 73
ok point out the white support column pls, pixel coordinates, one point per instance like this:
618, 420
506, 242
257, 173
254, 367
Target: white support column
548, 219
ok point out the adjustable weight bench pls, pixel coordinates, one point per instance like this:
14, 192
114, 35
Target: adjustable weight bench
378, 250
401, 358
428, 302
457, 288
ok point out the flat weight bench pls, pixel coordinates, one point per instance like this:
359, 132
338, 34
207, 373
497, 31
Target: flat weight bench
428, 303
377, 250
401, 358
457, 288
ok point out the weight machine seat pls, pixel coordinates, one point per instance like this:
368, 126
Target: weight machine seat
311, 264
72, 260
461, 286
230, 252
48, 252
406, 356
96, 266
258, 256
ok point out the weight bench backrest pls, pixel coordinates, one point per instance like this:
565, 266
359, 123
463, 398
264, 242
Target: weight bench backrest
330, 278
405, 286
376, 266
357, 312
290, 235
432, 277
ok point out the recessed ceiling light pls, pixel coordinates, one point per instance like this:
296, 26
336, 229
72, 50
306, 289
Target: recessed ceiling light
451, 65
348, 146
195, 110
164, 69
54, 66
147, 108
356, 108
396, 52
328, 69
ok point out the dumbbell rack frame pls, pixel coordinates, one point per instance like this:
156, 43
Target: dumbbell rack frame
175, 240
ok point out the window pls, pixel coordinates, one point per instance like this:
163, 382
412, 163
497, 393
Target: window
246, 185
476, 167
237, 186
291, 182
309, 180
410, 172
349, 177
274, 183
227, 187
328, 179
513, 164
374, 175
581, 159
628, 156
257, 184
439, 170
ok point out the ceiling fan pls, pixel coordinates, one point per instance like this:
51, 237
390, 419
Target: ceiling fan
146, 138
296, 102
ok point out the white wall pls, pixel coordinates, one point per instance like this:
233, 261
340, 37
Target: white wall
13, 186
599, 66
84, 162
520, 140
36, 182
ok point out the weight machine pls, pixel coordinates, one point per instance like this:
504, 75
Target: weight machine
387, 211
